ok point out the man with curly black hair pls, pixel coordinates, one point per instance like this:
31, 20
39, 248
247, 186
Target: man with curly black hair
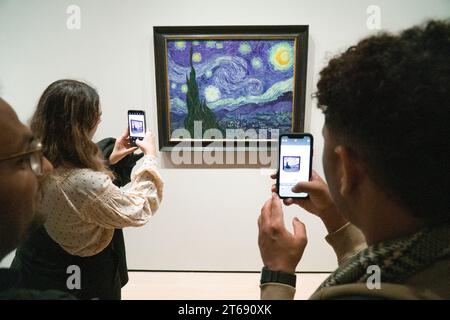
386, 160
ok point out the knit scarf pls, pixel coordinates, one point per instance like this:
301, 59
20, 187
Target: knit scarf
397, 259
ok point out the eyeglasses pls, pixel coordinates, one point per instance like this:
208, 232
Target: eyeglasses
34, 155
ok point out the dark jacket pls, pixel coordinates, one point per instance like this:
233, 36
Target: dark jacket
10, 289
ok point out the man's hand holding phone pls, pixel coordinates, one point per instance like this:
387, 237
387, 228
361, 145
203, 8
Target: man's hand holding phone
319, 202
280, 249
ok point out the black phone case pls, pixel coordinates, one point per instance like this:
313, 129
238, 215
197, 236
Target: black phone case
133, 140
294, 135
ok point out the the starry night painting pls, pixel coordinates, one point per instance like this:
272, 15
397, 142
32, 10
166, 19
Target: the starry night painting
232, 83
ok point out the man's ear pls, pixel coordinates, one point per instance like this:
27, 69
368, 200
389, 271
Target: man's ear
347, 169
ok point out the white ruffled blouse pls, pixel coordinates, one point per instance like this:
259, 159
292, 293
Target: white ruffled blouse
83, 206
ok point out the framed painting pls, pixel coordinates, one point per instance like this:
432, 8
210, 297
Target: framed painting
229, 85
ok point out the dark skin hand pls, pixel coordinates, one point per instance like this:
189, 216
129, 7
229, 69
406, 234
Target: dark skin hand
280, 249
318, 203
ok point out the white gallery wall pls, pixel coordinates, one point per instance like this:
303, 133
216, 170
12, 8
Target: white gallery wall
207, 220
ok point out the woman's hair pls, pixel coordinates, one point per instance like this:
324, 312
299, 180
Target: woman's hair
66, 114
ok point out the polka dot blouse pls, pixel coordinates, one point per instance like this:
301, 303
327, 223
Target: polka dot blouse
83, 206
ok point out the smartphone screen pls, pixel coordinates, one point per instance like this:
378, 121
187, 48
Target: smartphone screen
136, 125
295, 163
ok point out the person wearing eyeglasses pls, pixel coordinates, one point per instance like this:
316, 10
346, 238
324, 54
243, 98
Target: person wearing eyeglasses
84, 208
22, 165
22, 168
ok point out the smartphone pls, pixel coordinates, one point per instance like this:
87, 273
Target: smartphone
136, 125
295, 163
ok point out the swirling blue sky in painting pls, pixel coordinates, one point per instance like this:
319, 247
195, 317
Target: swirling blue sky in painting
245, 79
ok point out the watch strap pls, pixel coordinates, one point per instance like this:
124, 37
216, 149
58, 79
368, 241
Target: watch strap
268, 275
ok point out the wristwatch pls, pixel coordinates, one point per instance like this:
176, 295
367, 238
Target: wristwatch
268, 275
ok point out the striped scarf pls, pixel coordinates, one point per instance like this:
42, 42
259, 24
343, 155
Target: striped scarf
397, 259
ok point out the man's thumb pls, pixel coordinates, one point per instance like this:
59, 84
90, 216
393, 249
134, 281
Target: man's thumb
299, 228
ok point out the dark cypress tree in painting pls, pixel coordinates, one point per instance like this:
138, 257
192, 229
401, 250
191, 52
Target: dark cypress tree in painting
197, 110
